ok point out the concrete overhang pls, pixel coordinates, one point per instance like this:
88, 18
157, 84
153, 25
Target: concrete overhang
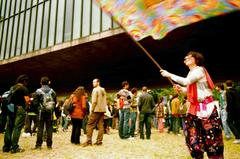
113, 57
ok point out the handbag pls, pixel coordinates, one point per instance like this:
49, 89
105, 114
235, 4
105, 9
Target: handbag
205, 108
70, 107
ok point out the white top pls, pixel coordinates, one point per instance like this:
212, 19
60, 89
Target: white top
197, 75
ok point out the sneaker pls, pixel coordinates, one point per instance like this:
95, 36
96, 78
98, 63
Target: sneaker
98, 143
49, 147
26, 134
228, 137
37, 148
237, 141
6, 150
17, 150
131, 138
64, 130
86, 144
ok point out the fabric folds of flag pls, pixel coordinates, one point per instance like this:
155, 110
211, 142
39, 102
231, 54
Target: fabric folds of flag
156, 18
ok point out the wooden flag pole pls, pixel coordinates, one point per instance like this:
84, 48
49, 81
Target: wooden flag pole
150, 56
144, 50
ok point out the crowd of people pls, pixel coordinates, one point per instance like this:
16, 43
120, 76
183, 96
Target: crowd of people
192, 110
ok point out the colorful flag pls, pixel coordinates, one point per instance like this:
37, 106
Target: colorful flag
156, 18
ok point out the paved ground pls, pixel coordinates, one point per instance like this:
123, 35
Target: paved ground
161, 146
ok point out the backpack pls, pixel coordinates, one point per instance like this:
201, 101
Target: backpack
48, 102
6, 100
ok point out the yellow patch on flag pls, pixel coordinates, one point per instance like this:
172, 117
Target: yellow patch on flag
150, 3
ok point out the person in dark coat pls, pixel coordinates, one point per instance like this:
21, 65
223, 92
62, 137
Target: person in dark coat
233, 110
146, 105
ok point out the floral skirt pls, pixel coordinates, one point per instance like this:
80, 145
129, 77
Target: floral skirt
204, 136
161, 124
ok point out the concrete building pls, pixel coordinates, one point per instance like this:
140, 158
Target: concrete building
32, 31
73, 41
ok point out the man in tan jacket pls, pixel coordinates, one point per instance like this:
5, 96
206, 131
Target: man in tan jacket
99, 102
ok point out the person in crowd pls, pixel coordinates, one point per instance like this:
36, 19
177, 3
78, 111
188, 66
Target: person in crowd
203, 125
57, 116
183, 112
107, 118
3, 115
175, 103
32, 116
168, 116
47, 100
16, 118
85, 119
77, 114
160, 114
133, 112
223, 112
115, 114
65, 115
146, 106
96, 117
124, 110
233, 110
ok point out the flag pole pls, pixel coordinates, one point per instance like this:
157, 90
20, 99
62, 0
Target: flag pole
143, 49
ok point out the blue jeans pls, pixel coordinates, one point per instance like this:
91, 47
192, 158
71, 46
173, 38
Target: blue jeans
65, 122
226, 129
133, 117
124, 115
155, 122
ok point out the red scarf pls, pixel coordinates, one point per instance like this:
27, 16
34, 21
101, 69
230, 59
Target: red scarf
192, 93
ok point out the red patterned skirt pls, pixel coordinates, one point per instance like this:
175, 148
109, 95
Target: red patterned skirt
204, 136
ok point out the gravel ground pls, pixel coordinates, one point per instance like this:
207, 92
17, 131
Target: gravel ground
160, 146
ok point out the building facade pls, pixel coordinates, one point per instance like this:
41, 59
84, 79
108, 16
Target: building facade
30, 25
